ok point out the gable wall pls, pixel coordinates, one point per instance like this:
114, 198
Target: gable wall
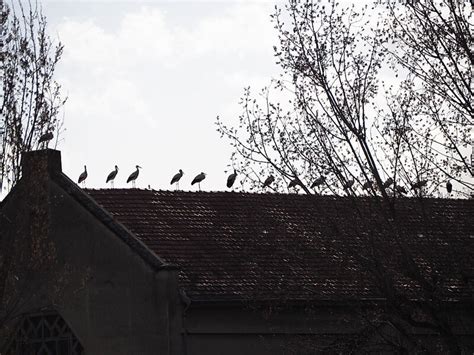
115, 302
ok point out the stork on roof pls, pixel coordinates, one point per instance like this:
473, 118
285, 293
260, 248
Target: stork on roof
197, 180
176, 178
231, 179
112, 176
133, 176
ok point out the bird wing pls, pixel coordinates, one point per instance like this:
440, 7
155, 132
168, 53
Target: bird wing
111, 176
449, 187
46, 137
175, 178
268, 182
82, 177
231, 180
132, 176
348, 184
198, 179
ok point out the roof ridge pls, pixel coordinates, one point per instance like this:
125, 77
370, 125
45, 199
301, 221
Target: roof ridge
273, 194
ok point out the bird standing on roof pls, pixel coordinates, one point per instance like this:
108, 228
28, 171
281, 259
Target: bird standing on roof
387, 183
400, 189
198, 179
367, 185
176, 178
112, 176
83, 176
268, 181
293, 183
449, 187
45, 138
419, 184
231, 179
318, 182
348, 184
133, 176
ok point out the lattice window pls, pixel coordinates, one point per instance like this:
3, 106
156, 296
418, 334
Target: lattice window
44, 334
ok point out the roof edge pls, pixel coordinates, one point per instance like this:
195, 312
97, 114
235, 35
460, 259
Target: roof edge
111, 223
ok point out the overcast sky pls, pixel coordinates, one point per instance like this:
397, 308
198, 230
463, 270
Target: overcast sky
146, 80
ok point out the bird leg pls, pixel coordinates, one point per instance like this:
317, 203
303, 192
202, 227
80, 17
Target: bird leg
133, 184
112, 184
199, 184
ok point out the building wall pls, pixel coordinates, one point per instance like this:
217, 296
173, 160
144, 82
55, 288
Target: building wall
113, 300
248, 330
326, 328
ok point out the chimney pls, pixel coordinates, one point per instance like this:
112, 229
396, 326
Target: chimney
39, 162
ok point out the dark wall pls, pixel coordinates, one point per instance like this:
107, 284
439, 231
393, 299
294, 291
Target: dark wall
113, 300
331, 328
215, 329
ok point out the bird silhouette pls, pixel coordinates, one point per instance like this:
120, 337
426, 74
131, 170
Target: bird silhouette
176, 178
268, 181
400, 189
45, 138
133, 176
367, 185
198, 178
387, 183
419, 184
231, 179
83, 176
348, 184
112, 176
449, 187
318, 182
293, 183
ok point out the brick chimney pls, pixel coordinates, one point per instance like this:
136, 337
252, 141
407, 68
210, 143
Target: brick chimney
38, 162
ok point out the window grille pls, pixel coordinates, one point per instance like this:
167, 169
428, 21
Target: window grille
44, 334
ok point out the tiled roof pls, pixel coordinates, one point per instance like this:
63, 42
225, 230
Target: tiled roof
234, 246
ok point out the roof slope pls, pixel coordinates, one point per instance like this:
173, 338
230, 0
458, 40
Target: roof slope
234, 246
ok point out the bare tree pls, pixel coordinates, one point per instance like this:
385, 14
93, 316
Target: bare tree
433, 40
346, 130
343, 122
31, 99
29, 107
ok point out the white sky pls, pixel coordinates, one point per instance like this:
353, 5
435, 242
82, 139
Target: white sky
146, 80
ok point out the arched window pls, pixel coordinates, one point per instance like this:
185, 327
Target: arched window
44, 334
